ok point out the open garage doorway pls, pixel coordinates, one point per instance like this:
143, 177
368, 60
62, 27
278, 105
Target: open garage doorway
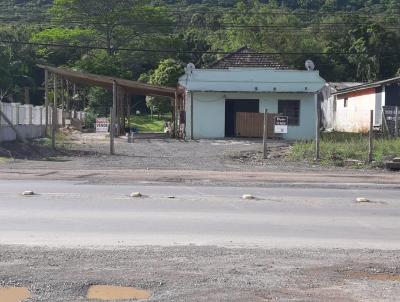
234, 106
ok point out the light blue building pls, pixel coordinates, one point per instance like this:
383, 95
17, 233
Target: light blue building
212, 97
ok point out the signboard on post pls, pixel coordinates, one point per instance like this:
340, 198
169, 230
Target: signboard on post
281, 124
102, 125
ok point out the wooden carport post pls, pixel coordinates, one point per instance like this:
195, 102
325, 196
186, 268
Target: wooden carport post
112, 122
175, 116
46, 100
54, 115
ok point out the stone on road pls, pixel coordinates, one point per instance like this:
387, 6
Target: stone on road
76, 214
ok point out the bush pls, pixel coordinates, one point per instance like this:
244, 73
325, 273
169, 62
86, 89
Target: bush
90, 119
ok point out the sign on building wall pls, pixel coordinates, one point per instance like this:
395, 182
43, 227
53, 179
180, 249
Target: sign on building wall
102, 124
281, 124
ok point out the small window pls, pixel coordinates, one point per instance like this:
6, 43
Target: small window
345, 102
291, 109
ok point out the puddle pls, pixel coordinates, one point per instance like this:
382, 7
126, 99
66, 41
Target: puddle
14, 294
376, 276
106, 293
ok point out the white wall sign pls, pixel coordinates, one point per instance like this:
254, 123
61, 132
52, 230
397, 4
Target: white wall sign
102, 124
281, 124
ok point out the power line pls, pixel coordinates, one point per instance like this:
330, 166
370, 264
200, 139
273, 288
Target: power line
88, 47
174, 25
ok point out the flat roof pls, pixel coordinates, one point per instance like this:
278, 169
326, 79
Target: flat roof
107, 82
252, 80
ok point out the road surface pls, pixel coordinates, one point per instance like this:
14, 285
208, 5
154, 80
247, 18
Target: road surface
204, 244
75, 214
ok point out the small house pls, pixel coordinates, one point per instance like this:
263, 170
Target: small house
229, 98
347, 108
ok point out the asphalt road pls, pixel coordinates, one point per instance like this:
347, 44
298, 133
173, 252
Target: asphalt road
75, 214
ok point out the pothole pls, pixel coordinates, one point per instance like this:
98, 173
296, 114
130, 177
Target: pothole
107, 292
14, 294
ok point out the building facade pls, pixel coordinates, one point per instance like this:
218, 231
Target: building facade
214, 97
347, 109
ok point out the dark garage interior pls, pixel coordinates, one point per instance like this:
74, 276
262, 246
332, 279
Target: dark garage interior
234, 106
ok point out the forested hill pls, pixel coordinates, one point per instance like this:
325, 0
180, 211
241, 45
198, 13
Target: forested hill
349, 40
318, 5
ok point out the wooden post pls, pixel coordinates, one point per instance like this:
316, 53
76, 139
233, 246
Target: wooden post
46, 100
54, 117
317, 129
265, 135
62, 91
27, 98
68, 96
128, 110
175, 117
191, 116
371, 137
396, 122
112, 116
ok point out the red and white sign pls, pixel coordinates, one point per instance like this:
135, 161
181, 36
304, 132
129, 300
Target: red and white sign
102, 124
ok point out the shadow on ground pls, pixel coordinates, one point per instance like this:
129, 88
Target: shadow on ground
37, 150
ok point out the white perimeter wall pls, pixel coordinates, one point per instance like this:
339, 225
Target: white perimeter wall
209, 112
356, 116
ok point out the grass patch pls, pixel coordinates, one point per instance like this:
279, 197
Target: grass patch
144, 123
338, 148
3, 159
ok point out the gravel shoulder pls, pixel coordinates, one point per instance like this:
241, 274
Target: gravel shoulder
206, 273
90, 151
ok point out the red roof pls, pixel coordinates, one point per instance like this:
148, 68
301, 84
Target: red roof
246, 57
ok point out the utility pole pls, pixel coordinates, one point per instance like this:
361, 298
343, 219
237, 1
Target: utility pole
265, 133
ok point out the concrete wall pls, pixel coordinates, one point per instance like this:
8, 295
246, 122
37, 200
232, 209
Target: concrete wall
29, 120
356, 116
209, 112
27, 131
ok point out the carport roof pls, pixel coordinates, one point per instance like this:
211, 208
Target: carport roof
107, 82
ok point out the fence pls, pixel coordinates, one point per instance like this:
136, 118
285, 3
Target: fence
30, 120
251, 124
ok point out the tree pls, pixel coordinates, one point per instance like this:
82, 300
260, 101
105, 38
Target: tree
166, 74
116, 22
17, 62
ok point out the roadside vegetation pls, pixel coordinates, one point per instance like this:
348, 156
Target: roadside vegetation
346, 149
146, 123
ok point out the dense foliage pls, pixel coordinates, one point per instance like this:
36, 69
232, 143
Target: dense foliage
349, 40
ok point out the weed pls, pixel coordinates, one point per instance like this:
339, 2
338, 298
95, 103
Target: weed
340, 148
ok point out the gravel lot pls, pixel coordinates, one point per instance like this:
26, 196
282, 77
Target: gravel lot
206, 273
91, 151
